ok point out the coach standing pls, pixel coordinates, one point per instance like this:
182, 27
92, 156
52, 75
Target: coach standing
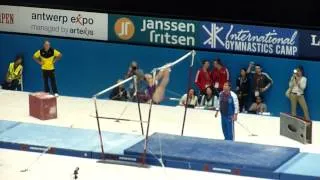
229, 108
46, 57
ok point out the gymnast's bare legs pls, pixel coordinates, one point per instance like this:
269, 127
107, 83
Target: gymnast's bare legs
164, 76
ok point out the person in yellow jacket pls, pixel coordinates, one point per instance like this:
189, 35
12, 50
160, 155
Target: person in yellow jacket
14, 75
46, 58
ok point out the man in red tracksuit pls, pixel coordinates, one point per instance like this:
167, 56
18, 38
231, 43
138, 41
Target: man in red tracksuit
203, 78
219, 75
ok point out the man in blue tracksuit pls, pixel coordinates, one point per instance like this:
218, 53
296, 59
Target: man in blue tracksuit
229, 108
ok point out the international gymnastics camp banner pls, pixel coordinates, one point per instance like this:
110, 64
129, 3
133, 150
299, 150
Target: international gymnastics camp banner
249, 39
54, 22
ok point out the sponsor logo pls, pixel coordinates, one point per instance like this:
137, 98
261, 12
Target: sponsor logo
315, 40
127, 159
169, 32
54, 22
6, 18
38, 148
68, 25
124, 28
221, 170
24, 147
309, 44
77, 20
236, 171
249, 39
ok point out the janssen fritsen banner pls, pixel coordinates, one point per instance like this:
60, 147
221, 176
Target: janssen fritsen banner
150, 30
248, 39
55, 22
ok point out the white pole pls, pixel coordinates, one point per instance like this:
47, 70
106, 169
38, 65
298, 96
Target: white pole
175, 62
193, 55
112, 87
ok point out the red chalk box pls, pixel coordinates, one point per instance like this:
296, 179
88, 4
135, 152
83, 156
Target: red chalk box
43, 106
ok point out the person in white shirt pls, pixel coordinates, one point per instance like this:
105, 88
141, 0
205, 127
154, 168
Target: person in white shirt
297, 85
192, 101
209, 101
258, 106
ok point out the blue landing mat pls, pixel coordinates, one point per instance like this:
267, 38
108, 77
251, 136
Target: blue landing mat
302, 166
219, 153
6, 125
77, 142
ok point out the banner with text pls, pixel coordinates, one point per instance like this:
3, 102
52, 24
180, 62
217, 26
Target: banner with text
257, 40
9, 19
248, 39
309, 44
150, 30
54, 22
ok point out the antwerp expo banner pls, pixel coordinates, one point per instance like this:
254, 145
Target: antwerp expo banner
76, 24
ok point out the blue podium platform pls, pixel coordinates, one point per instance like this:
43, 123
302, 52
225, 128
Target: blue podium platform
216, 155
237, 158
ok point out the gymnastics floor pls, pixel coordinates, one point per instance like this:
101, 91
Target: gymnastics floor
74, 134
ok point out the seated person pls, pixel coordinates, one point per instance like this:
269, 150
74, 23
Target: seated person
139, 84
14, 75
119, 93
192, 101
258, 106
209, 100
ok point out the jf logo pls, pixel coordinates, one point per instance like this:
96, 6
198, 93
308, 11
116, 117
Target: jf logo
124, 28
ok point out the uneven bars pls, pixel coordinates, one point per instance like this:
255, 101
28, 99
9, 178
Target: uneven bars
112, 87
96, 109
193, 52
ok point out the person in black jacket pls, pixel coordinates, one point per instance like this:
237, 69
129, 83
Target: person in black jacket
242, 89
261, 81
